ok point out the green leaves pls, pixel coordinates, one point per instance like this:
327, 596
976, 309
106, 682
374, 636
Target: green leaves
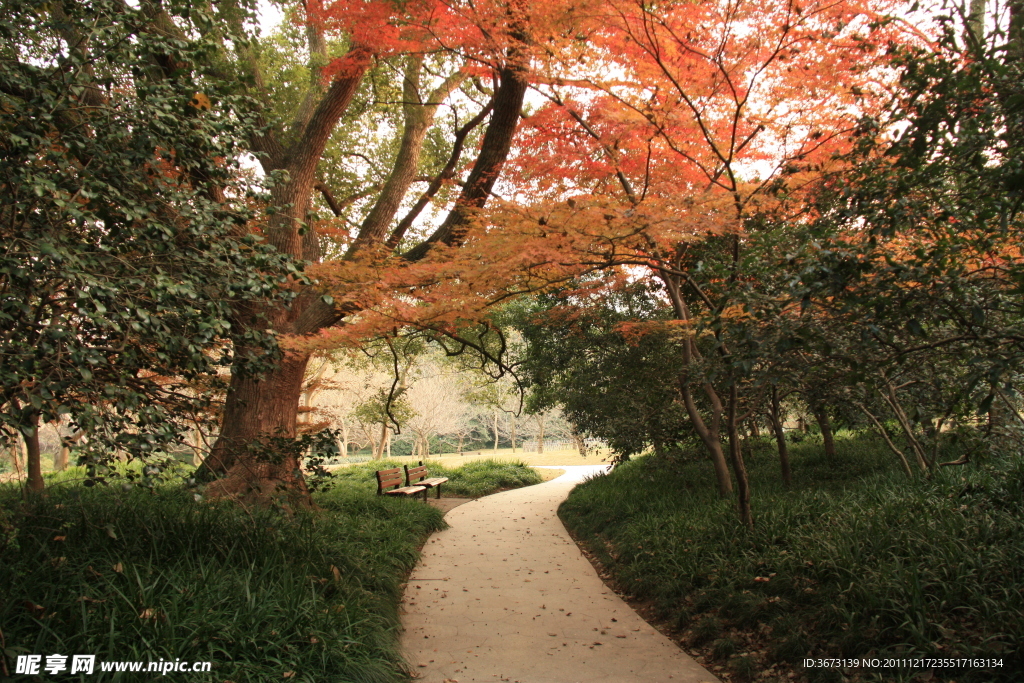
123, 247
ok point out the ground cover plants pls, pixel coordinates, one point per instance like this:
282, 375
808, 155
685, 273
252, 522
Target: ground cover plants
130, 573
853, 561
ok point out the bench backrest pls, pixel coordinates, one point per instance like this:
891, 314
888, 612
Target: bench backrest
389, 478
415, 473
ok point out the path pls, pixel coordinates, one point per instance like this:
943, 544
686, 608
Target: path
505, 595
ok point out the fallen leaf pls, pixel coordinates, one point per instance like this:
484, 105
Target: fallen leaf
289, 674
201, 102
336, 572
119, 568
59, 538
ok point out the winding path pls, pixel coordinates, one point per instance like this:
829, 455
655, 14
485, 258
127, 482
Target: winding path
504, 594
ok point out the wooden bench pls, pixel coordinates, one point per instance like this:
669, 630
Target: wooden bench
420, 475
393, 478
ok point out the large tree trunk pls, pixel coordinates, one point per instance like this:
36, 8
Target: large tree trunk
775, 417
258, 409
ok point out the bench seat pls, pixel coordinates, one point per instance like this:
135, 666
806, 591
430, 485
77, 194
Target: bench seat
418, 476
393, 477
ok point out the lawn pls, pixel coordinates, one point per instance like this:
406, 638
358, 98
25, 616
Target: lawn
855, 561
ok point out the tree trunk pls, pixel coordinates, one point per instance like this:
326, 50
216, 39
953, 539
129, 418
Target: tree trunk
267, 406
885, 435
33, 461
540, 432
461, 437
780, 437
379, 450
708, 434
739, 468
60, 459
256, 410
512, 430
495, 431
825, 424
908, 430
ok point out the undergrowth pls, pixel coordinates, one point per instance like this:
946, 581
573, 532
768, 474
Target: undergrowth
854, 561
153, 574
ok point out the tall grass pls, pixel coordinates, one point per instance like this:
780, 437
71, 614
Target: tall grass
141, 575
473, 479
854, 561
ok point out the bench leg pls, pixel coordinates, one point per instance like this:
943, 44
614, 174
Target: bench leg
439, 492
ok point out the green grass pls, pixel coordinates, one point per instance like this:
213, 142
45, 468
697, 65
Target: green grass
130, 573
471, 480
134, 575
854, 561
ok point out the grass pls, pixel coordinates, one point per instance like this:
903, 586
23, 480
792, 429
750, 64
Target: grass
854, 561
128, 573
472, 479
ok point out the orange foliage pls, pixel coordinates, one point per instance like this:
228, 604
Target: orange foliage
665, 123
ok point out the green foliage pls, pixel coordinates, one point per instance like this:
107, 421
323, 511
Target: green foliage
611, 384
474, 479
141, 576
916, 253
853, 561
124, 212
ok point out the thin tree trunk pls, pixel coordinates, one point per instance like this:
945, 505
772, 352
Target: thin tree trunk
708, 434
60, 460
775, 416
540, 432
908, 431
461, 437
885, 435
825, 424
387, 442
33, 460
512, 430
739, 467
495, 431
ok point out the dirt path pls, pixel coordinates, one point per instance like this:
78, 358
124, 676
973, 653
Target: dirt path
505, 595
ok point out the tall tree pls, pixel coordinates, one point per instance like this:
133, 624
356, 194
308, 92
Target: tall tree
496, 38
123, 223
